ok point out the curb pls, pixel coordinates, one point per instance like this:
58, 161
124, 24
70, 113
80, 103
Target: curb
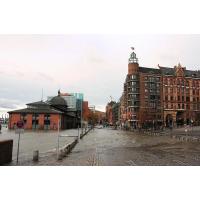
68, 148
83, 134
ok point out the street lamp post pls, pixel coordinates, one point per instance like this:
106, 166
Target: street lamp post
81, 116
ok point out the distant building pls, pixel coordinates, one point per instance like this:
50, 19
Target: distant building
122, 111
101, 116
116, 113
109, 112
86, 111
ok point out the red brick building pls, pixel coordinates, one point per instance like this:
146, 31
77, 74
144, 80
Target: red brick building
109, 112
160, 96
142, 99
86, 111
45, 115
101, 116
181, 95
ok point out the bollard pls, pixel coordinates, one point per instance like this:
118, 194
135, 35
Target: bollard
60, 155
35, 156
65, 152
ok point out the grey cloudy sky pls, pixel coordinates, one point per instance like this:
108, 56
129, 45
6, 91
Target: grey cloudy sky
93, 64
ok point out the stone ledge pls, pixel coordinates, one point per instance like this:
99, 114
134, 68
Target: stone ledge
6, 147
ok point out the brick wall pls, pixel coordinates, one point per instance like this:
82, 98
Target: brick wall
85, 110
133, 68
28, 124
41, 121
13, 119
54, 121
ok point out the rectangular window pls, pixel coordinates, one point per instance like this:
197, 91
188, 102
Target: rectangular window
47, 119
35, 121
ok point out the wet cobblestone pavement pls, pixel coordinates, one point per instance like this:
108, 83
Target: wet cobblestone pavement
106, 147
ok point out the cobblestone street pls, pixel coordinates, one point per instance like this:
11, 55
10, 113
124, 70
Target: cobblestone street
106, 147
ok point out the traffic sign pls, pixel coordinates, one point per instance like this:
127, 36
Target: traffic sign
20, 124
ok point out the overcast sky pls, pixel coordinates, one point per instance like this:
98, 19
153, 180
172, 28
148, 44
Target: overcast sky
95, 65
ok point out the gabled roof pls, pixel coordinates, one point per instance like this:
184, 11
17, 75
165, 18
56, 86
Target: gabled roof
193, 74
167, 71
187, 73
37, 111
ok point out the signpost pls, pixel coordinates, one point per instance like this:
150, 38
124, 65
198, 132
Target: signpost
20, 126
58, 139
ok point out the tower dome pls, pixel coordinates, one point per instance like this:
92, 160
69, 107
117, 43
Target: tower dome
133, 58
58, 100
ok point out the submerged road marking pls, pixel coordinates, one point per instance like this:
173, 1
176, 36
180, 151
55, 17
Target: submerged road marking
131, 163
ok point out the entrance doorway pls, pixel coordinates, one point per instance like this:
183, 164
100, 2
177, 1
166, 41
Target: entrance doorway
169, 120
180, 118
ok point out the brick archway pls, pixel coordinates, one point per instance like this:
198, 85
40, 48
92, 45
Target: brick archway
169, 117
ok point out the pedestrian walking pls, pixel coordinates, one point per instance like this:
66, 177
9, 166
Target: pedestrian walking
0, 127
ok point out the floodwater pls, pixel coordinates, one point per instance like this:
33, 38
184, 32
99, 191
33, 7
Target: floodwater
44, 141
106, 147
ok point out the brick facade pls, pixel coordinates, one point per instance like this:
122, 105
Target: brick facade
160, 96
85, 111
15, 117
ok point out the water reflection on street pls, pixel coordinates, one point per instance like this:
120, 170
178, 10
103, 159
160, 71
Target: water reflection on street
104, 147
